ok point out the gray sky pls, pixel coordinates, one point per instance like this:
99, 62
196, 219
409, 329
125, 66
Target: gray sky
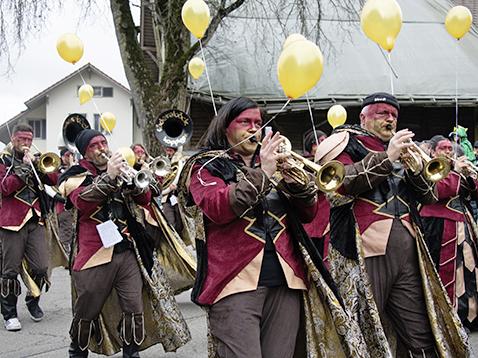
40, 66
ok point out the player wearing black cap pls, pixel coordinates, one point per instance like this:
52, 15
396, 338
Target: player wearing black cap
377, 255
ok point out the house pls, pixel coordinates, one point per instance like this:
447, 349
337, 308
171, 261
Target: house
424, 58
47, 110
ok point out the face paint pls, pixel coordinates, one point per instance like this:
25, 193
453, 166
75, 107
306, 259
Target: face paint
22, 140
242, 127
380, 119
443, 148
96, 147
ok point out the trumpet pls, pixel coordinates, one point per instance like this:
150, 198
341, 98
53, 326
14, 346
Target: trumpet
433, 170
472, 169
140, 178
328, 177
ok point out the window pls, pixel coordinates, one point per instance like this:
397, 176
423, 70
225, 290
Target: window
99, 91
39, 128
107, 91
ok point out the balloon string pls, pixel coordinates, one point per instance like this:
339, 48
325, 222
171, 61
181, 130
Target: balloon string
456, 92
199, 175
388, 62
96, 107
391, 74
207, 76
312, 118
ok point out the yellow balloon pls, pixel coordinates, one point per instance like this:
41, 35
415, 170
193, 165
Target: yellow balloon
299, 68
196, 67
336, 115
108, 121
195, 15
381, 21
70, 48
458, 21
128, 155
293, 38
85, 93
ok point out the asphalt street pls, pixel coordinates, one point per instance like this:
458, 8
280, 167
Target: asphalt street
49, 338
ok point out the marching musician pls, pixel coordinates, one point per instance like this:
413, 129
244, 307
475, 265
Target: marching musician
141, 156
450, 234
22, 230
114, 252
251, 275
376, 249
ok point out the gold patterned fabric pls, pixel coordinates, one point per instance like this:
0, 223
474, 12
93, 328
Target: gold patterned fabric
352, 280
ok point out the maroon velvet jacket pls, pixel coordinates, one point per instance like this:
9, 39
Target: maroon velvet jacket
90, 248
233, 238
18, 199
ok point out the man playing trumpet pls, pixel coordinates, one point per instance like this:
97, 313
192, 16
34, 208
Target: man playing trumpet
112, 251
22, 231
377, 255
450, 231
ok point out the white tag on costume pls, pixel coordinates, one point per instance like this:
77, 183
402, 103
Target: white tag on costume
109, 233
173, 200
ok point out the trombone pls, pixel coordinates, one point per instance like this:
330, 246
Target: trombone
433, 170
48, 163
328, 177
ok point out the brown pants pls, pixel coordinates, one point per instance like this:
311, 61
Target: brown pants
94, 285
262, 323
29, 243
397, 289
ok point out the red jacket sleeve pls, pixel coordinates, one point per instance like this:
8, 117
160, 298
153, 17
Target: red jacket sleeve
9, 183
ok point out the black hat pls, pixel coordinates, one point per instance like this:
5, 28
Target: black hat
309, 139
63, 151
381, 97
84, 139
475, 145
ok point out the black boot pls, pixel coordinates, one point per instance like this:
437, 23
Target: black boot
9, 306
75, 352
130, 350
36, 312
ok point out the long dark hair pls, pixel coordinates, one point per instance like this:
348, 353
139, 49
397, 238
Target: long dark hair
215, 136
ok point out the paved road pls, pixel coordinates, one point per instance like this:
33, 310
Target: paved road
49, 338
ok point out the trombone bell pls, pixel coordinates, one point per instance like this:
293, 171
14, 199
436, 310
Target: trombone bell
436, 169
49, 163
330, 176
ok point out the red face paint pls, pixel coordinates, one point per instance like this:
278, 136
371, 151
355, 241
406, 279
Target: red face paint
97, 145
379, 119
443, 148
22, 139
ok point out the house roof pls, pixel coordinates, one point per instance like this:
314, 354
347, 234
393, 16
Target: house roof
39, 98
425, 58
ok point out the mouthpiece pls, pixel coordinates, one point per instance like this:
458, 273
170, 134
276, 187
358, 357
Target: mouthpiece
253, 140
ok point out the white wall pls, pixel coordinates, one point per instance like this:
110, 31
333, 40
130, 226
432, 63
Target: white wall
63, 100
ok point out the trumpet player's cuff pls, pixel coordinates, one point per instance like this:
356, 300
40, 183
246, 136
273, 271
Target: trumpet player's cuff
306, 194
101, 187
426, 190
249, 190
23, 171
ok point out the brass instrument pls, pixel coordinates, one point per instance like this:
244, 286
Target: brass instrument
472, 169
433, 170
328, 177
174, 128
49, 163
140, 178
72, 126
160, 166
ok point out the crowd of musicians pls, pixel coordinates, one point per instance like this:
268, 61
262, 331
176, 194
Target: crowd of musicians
364, 246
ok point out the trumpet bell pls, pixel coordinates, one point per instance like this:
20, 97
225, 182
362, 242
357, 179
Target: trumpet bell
49, 163
436, 169
142, 179
160, 166
330, 176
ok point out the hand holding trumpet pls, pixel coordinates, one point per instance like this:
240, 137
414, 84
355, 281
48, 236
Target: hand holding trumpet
400, 141
115, 163
270, 153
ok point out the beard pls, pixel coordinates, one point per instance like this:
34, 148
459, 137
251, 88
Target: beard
100, 160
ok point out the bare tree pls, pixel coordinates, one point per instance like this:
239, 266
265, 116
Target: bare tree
172, 40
